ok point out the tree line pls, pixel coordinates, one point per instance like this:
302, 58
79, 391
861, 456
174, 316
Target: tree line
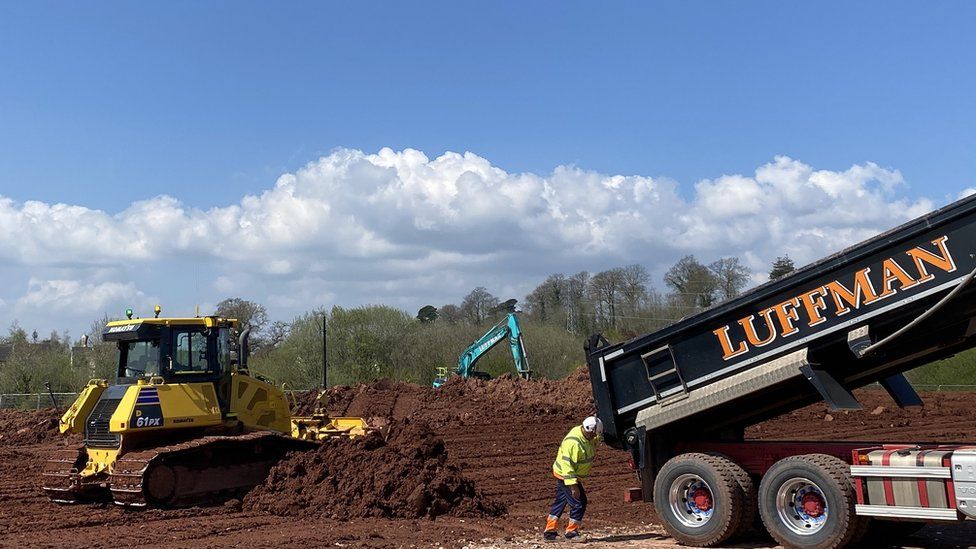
375, 341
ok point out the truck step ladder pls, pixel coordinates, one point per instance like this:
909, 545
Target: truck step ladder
658, 378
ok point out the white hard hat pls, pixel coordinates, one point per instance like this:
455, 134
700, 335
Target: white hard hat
593, 424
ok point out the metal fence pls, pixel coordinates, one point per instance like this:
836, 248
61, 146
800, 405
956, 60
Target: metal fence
36, 401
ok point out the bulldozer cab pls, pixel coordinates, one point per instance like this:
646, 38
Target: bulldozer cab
178, 350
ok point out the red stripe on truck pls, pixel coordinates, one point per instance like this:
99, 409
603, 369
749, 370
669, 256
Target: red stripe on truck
923, 487
889, 490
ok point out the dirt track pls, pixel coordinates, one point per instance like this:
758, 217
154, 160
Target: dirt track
502, 434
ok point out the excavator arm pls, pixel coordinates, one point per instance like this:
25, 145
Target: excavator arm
518, 347
509, 329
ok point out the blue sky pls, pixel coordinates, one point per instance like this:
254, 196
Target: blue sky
107, 104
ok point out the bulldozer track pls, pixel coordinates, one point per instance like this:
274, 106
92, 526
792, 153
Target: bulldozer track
199, 470
60, 472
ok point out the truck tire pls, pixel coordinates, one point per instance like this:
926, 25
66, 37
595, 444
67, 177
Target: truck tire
750, 503
699, 499
808, 502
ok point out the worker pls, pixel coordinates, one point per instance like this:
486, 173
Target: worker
573, 462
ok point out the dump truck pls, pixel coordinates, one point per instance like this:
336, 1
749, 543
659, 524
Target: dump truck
183, 422
679, 399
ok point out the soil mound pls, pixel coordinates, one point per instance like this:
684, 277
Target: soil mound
24, 427
475, 402
405, 475
459, 401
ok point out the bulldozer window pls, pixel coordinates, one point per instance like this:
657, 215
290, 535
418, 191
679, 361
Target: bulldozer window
190, 354
223, 349
141, 358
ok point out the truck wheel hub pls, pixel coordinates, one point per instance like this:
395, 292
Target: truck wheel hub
702, 499
812, 504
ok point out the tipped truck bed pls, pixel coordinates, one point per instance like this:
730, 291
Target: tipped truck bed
796, 340
679, 399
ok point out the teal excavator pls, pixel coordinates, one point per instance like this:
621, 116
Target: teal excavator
507, 328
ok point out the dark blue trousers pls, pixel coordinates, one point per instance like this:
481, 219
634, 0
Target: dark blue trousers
564, 497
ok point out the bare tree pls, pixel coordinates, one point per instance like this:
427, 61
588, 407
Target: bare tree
577, 311
250, 314
634, 280
97, 327
547, 301
476, 306
732, 277
606, 288
277, 333
449, 313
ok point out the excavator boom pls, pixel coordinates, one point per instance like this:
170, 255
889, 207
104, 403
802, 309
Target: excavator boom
507, 328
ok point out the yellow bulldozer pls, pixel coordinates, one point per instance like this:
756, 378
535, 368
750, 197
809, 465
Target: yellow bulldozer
183, 423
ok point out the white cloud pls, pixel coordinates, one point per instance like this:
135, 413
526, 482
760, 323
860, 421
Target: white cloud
967, 192
401, 228
77, 296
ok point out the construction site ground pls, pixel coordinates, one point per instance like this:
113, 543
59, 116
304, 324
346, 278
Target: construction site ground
502, 434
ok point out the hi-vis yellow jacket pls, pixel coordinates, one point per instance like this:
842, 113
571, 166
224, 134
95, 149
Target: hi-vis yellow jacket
575, 456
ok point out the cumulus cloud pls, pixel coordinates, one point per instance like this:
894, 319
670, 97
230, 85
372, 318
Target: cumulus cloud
967, 192
76, 296
398, 226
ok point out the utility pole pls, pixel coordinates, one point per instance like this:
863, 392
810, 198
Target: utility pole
325, 347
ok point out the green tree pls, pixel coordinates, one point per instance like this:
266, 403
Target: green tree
781, 267
427, 314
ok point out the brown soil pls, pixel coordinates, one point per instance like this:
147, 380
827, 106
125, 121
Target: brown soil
459, 402
22, 427
403, 475
945, 417
500, 435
